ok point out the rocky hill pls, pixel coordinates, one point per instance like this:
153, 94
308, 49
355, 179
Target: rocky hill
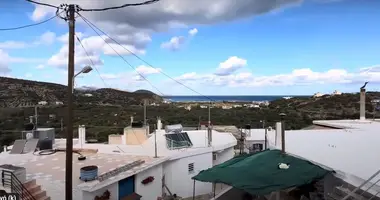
25, 93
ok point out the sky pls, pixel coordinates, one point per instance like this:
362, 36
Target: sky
224, 47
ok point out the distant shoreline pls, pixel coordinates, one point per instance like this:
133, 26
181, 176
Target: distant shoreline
229, 99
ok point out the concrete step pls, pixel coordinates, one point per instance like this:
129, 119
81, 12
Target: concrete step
44, 198
30, 183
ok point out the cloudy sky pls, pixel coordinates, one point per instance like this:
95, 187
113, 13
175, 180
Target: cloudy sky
224, 47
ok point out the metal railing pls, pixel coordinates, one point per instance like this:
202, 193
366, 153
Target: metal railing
353, 193
9, 179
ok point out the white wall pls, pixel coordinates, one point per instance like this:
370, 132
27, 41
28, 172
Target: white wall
350, 151
113, 189
178, 179
152, 190
223, 156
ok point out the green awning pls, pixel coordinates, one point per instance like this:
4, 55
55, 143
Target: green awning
259, 173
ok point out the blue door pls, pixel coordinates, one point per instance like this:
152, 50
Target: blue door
126, 187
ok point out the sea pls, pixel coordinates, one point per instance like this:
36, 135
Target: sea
256, 98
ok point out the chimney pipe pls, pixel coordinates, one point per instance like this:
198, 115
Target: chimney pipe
159, 123
362, 103
209, 136
82, 135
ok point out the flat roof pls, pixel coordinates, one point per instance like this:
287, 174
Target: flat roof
350, 124
48, 170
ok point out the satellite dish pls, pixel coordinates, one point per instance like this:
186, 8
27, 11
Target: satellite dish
29, 136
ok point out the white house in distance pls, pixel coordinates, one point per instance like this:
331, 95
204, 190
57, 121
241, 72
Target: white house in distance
42, 103
134, 164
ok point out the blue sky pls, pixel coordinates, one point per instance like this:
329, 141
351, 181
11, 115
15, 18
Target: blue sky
249, 48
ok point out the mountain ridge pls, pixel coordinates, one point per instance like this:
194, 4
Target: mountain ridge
24, 93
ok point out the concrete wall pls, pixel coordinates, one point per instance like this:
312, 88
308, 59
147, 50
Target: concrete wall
151, 190
113, 189
114, 139
178, 179
223, 156
350, 151
135, 136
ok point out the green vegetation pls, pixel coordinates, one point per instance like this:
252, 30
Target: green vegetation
104, 120
108, 111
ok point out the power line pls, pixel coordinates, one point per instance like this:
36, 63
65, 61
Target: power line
42, 4
89, 58
29, 25
142, 76
122, 6
138, 57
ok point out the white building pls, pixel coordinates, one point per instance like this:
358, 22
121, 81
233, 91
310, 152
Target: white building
58, 103
88, 95
318, 94
164, 158
42, 103
336, 92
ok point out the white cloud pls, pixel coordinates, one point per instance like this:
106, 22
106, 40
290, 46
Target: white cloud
6, 59
231, 65
174, 43
81, 59
115, 49
65, 37
40, 67
12, 45
137, 24
47, 38
304, 76
145, 70
28, 75
193, 32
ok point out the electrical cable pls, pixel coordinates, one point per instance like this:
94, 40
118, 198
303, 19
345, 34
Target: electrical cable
29, 25
89, 58
142, 76
138, 57
118, 7
42, 4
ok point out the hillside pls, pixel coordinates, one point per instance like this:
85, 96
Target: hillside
24, 93
345, 106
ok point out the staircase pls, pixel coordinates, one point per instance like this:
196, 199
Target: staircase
35, 190
346, 191
29, 190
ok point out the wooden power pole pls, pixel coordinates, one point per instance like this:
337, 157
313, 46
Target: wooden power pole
69, 119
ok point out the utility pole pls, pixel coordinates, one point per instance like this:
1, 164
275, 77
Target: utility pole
241, 142
36, 117
61, 124
209, 114
155, 142
69, 120
146, 130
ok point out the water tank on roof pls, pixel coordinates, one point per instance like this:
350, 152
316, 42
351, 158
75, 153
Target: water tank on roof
173, 128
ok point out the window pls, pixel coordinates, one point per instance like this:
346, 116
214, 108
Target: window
191, 168
178, 140
257, 147
214, 155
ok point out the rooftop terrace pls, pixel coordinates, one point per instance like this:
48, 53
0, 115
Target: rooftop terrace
49, 170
